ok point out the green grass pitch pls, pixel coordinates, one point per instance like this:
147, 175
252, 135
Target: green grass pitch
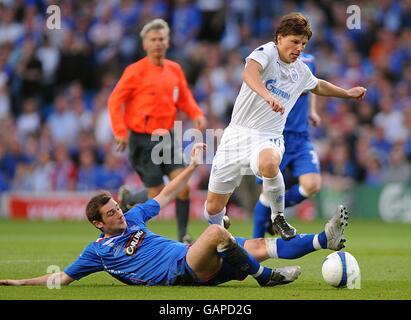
383, 252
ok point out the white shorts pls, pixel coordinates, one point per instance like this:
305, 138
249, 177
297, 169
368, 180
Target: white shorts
237, 155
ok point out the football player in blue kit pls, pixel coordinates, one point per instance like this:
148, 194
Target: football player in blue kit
134, 255
299, 157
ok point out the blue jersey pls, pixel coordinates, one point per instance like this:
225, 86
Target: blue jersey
136, 256
297, 120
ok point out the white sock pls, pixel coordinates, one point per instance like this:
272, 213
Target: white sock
302, 191
264, 201
214, 218
316, 243
275, 189
271, 245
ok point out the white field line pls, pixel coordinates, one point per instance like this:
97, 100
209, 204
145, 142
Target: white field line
27, 261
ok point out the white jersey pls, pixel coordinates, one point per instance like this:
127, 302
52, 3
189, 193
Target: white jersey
285, 81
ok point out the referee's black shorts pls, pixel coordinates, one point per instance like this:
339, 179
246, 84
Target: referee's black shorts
152, 157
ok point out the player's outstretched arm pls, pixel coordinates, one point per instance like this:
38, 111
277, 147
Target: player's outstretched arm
325, 88
55, 278
175, 186
313, 117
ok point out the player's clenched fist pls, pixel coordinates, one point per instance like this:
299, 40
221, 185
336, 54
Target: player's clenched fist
275, 105
357, 92
197, 153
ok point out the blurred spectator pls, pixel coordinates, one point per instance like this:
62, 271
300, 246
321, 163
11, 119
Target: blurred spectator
380, 145
63, 122
83, 116
102, 126
5, 106
49, 56
11, 30
29, 120
365, 113
398, 169
111, 173
27, 78
390, 120
87, 171
74, 63
105, 35
64, 175
212, 20
186, 23
373, 175
340, 171
41, 176
23, 177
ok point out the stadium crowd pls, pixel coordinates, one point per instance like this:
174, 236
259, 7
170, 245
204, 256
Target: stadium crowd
54, 83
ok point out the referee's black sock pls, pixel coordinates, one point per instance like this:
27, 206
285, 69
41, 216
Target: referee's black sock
131, 199
138, 197
182, 215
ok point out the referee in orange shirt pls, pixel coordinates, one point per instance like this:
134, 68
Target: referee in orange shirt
145, 100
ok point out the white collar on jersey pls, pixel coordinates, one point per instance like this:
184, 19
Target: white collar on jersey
288, 70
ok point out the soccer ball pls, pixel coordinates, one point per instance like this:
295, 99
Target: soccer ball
341, 270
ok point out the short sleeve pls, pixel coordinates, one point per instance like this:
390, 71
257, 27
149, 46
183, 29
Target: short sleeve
312, 81
87, 263
264, 54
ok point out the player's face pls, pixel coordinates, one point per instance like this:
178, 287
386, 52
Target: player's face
156, 43
113, 218
290, 47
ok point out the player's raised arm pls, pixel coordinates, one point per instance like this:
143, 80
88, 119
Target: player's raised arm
174, 187
59, 277
325, 88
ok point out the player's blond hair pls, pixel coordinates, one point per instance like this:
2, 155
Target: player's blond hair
156, 24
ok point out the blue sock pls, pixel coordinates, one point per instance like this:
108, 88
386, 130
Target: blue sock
293, 196
238, 257
295, 247
262, 215
322, 239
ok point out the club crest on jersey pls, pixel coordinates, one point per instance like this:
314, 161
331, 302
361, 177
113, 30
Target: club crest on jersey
294, 75
133, 242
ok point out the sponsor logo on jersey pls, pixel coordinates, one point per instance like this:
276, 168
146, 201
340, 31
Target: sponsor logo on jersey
270, 85
133, 243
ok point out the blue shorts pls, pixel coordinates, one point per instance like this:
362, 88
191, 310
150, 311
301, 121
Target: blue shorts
185, 276
299, 156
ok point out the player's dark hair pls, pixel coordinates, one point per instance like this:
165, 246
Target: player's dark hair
294, 24
94, 205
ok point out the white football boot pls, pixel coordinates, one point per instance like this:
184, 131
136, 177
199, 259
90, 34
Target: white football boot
334, 229
283, 275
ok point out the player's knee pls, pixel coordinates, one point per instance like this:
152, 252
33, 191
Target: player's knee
213, 206
268, 169
218, 235
268, 165
312, 187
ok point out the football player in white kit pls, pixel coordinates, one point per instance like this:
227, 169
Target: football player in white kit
274, 77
